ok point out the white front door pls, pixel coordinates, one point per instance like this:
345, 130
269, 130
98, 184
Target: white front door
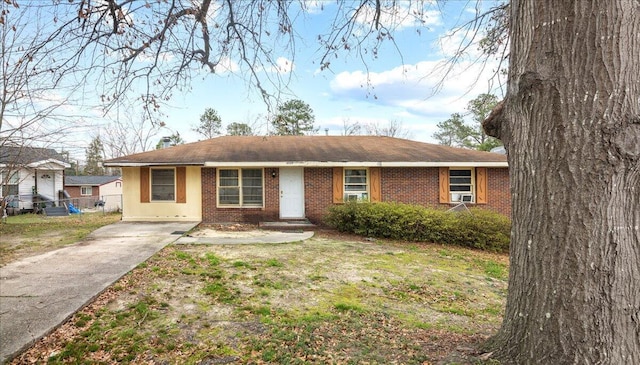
291, 192
47, 183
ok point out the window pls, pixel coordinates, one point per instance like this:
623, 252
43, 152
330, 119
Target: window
10, 186
461, 186
85, 190
240, 187
162, 184
355, 184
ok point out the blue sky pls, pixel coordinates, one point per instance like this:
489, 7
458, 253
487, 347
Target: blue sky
401, 81
397, 85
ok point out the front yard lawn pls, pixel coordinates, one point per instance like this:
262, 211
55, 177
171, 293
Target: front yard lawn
327, 300
31, 234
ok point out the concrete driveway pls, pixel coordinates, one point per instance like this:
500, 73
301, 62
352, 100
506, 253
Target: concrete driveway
39, 293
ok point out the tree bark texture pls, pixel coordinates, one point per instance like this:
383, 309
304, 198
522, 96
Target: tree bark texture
571, 125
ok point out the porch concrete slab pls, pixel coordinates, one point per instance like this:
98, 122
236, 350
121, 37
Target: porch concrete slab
39, 293
243, 237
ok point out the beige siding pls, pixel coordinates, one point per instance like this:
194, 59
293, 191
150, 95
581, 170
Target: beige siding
134, 210
111, 194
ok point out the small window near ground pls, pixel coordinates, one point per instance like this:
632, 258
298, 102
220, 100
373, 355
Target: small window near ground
355, 185
240, 187
86, 190
163, 184
461, 186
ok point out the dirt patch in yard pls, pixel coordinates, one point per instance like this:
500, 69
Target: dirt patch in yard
330, 299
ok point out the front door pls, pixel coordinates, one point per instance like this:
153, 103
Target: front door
291, 192
47, 183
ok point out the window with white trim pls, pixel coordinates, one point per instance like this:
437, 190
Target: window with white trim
163, 184
461, 184
356, 184
240, 187
10, 185
86, 190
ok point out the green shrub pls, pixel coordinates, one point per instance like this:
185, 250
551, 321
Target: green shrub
481, 229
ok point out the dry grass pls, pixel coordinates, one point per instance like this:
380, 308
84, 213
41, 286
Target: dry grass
31, 234
330, 299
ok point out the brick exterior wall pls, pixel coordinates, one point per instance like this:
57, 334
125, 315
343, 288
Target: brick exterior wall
412, 185
212, 214
318, 192
83, 201
74, 191
499, 191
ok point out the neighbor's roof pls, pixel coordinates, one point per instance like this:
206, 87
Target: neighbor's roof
89, 180
277, 151
22, 155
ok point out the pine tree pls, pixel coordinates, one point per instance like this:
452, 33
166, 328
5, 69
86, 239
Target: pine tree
94, 155
295, 117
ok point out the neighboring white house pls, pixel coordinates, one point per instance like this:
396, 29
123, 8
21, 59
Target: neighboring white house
31, 174
92, 191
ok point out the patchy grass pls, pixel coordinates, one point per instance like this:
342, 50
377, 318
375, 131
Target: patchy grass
321, 301
31, 234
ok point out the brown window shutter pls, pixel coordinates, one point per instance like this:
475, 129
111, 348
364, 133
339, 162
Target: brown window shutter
144, 185
375, 184
481, 185
338, 185
181, 184
444, 184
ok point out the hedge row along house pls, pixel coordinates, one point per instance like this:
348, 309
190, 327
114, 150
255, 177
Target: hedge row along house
254, 179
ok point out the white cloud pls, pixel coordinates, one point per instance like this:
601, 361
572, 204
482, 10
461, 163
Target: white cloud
282, 66
411, 87
226, 65
401, 15
314, 6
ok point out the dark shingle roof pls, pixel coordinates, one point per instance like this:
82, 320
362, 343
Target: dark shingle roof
12, 155
309, 149
89, 180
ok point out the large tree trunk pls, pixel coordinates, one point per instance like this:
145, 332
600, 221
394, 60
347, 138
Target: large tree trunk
571, 125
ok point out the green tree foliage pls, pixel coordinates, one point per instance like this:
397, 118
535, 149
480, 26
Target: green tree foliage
210, 124
295, 117
239, 129
174, 140
453, 131
94, 155
480, 108
457, 133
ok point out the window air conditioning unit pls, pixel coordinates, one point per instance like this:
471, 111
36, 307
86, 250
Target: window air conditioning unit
467, 198
353, 197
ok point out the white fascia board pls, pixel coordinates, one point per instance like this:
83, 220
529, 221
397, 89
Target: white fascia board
146, 164
354, 164
37, 164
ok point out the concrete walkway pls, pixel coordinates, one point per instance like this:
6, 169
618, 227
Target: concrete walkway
214, 237
39, 293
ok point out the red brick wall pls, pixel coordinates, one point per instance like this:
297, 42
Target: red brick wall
499, 191
414, 185
318, 192
410, 185
74, 191
83, 201
212, 214
419, 185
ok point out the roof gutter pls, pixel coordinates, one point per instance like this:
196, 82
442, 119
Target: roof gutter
143, 164
314, 164
355, 164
